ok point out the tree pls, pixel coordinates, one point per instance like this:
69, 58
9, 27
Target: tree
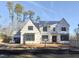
30, 13
25, 14
10, 6
77, 32
11, 10
18, 10
37, 19
4, 38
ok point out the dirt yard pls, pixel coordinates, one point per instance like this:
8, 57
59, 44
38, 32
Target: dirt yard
54, 45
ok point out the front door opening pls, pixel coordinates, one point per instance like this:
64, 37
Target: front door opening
54, 38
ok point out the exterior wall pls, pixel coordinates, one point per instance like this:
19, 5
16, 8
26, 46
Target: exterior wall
35, 31
44, 33
48, 32
49, 29
59, 39
50, 38
62, 24
40, 32
57, 31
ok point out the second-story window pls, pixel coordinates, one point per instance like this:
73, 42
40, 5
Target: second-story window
63, 29
54, 29
45, 28
30, 27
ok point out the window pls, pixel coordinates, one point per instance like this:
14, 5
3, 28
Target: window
53, 29
45, 28
29, 36
30, 27
63, 29
64, 37
44, 37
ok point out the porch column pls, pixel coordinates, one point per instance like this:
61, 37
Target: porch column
58, 38
21, 41
50, 38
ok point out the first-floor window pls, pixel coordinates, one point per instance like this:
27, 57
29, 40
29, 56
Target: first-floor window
64, 37
44, 37
29, 36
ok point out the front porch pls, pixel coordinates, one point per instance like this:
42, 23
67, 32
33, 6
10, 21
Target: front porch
59, 38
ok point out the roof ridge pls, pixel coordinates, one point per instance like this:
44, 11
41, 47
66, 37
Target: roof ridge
52, 21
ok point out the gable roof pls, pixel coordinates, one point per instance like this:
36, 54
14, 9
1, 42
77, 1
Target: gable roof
42, 23
36, 24
63, 19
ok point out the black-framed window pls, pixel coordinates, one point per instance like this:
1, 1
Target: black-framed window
30, 27
44, 37
54, 29
63, 28
45, 28
64, 37
29, 36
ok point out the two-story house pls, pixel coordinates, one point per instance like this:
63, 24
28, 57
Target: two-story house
49, 31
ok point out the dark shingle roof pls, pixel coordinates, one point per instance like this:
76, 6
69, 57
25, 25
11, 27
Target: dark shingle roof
37, 25
42, 23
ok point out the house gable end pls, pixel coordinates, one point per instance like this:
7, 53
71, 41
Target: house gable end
63, 21
29, 23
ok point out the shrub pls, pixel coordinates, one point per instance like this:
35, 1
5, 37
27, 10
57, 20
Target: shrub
4, 38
